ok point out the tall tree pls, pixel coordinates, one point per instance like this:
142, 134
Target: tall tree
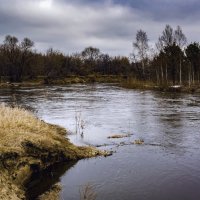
141, 45
161, 58
90, 57
193, 55
53, 64
11, 53
169, 38
172, 52
181, 41
165, 40
26, 56
104, 64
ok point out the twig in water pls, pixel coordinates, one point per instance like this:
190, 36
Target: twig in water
87, 192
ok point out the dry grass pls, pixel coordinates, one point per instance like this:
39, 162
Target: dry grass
52, 194
138, 84
28, 144
20, 129
18, 125
139, 142
119, 136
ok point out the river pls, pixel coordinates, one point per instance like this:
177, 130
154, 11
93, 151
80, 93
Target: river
165, 167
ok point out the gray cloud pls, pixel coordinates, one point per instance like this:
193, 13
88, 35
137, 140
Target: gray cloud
109, 25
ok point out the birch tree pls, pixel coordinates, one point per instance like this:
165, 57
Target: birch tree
141, 45
181, 41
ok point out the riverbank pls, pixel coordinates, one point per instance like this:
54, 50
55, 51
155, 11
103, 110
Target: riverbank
170, 87
64, 81
123, 81
29, 145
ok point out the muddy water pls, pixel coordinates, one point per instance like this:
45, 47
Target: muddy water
166, 166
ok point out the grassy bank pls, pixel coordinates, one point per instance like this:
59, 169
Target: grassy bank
123, 81
65, 81
28, 145
149, 85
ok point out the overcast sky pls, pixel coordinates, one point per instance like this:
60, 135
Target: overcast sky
111, 25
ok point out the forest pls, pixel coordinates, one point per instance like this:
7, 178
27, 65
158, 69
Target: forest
171, 61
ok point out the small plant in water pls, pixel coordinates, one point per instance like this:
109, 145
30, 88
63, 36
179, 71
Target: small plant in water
80, 123
87, 192
82, 127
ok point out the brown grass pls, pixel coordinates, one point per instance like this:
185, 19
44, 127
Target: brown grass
28, 144
18, 125
119, 136
132, 83
52, 194
139, 142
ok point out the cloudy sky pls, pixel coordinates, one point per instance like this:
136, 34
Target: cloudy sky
111, 25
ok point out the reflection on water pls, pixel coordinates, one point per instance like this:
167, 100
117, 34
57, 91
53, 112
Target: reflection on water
165, 167
41, 182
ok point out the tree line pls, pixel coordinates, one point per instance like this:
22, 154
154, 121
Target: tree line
171, 61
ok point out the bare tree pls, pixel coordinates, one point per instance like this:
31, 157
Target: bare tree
90, 56
181, 41
141, 45
10, 42
11, 53
26, 56
167, 37
160, 45
180, 37
91, 53
27, 44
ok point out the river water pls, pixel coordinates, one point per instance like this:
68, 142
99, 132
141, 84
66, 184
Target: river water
165, 167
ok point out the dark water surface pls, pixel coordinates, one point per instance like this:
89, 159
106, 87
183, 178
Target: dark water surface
166, 167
